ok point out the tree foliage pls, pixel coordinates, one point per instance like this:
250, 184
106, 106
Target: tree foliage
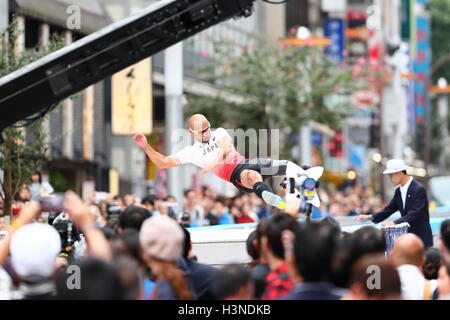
276, 87
22, 151
440, 47
440, 41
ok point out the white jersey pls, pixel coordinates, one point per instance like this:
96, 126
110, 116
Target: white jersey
203, 154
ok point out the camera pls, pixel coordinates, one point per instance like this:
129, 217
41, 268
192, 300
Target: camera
113, 210
173, 209
68, 233
185, 219
304, 207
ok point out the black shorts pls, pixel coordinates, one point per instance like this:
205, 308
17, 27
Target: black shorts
266, 167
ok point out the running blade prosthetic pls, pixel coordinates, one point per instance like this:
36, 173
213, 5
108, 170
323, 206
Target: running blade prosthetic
273, 200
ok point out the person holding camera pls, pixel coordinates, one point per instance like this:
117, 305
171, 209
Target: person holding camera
192, 209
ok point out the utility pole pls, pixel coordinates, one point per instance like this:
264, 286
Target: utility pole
4, 21
4, 15
173, 84
427, 136
442, 89
443, 115
382, 148
305, 145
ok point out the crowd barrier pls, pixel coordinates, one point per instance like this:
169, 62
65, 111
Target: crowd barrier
223, 244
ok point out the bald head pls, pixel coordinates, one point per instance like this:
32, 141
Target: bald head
198, 122
199, 128
408, 249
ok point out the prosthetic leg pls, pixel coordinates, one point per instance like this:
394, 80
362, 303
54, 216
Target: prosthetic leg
300, 184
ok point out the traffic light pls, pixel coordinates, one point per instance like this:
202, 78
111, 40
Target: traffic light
335, 145
374, 131
351, 177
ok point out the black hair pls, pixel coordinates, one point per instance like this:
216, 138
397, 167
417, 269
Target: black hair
389, 279
186, 192
187, 242
314, 247
17, 195
228, 280
446, 262
259, 230
445, 233
251, 250
97, 280
275, 225
367, 240
130, 238
150, 199
112, 225
168, 197
39, 174
404, 171
363, 241
432, 263
332, 222
219, 199
108, 233
129, 276
133, 217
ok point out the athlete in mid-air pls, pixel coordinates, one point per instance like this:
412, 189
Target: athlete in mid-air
214, 151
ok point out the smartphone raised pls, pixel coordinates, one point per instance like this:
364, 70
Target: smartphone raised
53, 203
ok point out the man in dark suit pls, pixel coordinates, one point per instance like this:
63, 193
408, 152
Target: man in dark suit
410, 199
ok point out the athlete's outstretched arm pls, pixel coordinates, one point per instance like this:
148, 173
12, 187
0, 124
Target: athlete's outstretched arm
161, 161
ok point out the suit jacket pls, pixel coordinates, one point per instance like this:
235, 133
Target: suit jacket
415, 212
199, 276
314, 291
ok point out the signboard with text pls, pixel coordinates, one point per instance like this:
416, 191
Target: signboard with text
334, 30
132, 99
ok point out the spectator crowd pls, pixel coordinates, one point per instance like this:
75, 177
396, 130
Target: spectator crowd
114, 247
206, 207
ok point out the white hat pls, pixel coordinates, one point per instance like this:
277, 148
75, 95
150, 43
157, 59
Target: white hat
162, 237
394, 165
34, 248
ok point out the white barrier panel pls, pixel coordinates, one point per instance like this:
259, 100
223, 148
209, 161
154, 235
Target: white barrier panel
220, 247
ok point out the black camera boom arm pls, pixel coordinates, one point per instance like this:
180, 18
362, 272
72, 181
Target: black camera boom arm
36, 87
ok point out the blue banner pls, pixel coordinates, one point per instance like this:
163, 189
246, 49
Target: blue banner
357, 155
334, 30
316, 138
421, 67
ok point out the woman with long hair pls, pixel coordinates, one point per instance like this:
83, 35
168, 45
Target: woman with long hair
162, 241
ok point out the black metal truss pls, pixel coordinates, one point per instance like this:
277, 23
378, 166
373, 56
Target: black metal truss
36, 87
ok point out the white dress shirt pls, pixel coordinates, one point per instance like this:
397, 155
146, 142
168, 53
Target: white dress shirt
413, 282
404, 190
6, 285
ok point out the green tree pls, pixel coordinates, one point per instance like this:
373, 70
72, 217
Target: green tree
440, 47
440, 41
23, 151
277, 88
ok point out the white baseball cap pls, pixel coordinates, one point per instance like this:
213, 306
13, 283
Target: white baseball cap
34, 248
394, 165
